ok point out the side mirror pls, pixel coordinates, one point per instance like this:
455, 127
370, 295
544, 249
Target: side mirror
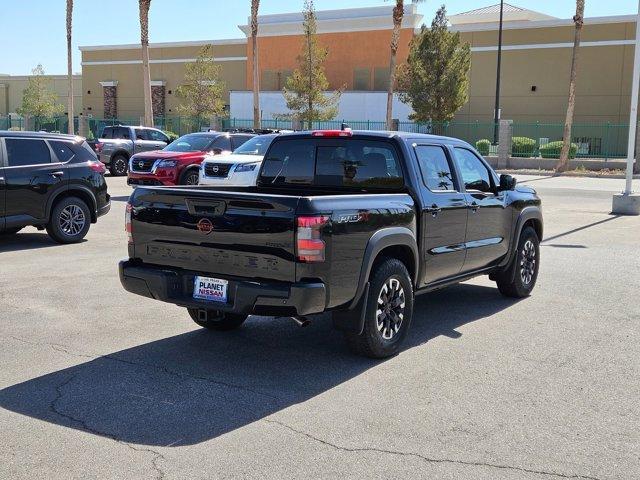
216, 151
507, 182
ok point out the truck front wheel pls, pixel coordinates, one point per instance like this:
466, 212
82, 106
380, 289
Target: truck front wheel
216, 320
519, 278
388, 312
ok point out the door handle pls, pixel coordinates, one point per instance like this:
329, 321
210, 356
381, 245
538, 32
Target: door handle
474, 207
434, 210
2, 182
58, 174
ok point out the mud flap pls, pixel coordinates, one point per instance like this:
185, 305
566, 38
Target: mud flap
352, 320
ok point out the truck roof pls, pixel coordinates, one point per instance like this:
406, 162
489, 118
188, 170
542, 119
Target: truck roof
384, 134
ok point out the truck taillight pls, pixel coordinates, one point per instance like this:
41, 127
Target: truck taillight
127, 223
311, 247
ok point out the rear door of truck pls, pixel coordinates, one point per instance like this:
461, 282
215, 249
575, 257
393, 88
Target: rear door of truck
231, 234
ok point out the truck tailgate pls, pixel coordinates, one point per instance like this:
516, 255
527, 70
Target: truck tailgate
226, 233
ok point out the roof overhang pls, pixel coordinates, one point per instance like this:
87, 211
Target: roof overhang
334, 21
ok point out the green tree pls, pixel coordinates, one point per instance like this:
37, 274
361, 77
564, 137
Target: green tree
305, 90
37, 99
435, 79
202, 91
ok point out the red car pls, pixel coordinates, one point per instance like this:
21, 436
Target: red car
178, 162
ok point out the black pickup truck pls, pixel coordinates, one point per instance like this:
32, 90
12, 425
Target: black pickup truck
352, 223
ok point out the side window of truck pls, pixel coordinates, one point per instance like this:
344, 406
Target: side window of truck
475, 174
435, 167
289, 162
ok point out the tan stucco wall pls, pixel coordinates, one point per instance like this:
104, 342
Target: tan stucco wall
603, 90
129, 76
12, 88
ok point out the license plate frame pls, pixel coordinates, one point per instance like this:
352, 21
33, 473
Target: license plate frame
210, 289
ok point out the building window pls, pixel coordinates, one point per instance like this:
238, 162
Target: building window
381, 79
362, 79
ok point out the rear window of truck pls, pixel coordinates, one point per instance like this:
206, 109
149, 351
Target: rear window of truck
347, 163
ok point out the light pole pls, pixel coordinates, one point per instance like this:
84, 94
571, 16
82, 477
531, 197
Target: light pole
627, 202
496, 113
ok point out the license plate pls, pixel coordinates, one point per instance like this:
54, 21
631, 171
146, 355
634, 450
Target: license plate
211, 289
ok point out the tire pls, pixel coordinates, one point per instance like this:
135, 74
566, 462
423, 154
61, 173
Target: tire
70, 220
519, 278
217, 320
119, 165
10, 231
190, 177
383, 335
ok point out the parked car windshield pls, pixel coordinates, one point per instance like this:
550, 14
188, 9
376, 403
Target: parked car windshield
190, 143
255, 146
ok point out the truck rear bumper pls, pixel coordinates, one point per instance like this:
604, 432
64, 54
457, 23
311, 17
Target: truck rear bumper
244, 297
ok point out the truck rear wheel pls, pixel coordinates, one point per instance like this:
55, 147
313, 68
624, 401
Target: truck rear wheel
119, 165
519, 278
388, 313
216, 320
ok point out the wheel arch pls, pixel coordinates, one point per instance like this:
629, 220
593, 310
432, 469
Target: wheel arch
529, 216
80, 192
189, 168
120, 151
394, 242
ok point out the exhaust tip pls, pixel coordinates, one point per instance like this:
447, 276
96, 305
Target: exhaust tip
301, 321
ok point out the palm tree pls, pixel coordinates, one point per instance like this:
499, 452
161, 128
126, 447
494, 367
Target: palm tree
568, 124
255, 5
70, 67
398, 15
145, 5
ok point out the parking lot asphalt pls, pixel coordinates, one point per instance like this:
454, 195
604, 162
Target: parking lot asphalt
98, 383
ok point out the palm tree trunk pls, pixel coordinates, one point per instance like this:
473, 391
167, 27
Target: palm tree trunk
70, 108
563, 164
145, 5
255, 5
398, 13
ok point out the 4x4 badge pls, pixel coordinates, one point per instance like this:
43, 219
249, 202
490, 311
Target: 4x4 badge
205, 226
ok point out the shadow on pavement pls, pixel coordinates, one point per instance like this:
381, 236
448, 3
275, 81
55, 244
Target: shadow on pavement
579, 229
193, 387
26, 241
120, 198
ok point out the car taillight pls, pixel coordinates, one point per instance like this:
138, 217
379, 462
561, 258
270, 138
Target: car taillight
99, 147
127, 223
311, 247
97, 166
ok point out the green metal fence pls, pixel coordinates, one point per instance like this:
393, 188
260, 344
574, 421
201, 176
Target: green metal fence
593, 140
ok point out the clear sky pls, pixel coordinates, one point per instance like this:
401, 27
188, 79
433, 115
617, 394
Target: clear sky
33, 31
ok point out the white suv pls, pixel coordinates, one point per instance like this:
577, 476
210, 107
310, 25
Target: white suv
240, 167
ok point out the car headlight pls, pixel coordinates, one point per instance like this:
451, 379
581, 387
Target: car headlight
166, 164
246, 167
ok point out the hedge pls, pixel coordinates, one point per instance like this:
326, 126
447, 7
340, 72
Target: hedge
523, 147
172, 135
483, 146
552, 150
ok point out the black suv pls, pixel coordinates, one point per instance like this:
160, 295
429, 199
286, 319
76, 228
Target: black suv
50, 181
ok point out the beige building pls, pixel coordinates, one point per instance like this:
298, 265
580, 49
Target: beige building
110, 71
535, 75
12, 88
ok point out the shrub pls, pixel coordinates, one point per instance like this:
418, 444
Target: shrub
90, 135
552, 150
483, 146
172, 135
523, 147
